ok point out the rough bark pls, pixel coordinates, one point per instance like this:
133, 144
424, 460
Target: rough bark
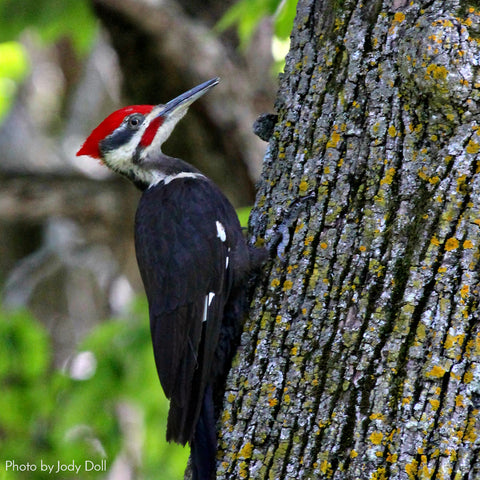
361, 355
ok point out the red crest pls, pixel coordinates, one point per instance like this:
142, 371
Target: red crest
110, 124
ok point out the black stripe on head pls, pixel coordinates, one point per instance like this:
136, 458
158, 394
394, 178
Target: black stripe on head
123, 134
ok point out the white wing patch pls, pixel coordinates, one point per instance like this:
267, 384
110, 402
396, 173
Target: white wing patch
221, 231
208, 302
210, 297
227, 258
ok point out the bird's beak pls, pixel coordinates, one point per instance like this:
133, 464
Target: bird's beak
180, 104
163, 118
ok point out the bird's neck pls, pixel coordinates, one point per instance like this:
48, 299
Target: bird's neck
152, 170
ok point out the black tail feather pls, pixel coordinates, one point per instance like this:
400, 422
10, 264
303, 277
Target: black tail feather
204, 443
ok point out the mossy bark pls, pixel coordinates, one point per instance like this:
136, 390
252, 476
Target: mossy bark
361, 355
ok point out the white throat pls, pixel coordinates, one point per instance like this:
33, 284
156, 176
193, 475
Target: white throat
142, 169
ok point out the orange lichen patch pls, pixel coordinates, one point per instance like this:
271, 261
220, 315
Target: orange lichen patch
376, 438
309, 240
273, 402
325, 467
472, 147
392, 457
392, 131
451, 244
334, 140
387, 180
303, 187
438, 72
464, 291
437, 372
246, 451
453, 341
422, 175
411, 469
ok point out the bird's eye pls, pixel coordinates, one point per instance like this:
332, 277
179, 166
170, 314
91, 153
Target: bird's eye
134, 121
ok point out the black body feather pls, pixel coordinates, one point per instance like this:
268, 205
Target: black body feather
194, 276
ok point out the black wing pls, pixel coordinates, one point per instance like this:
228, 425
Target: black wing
185, 232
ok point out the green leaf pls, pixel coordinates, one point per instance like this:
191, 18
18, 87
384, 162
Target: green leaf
284, 18
247, 14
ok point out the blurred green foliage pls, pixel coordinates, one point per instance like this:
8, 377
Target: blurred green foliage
13, 68
44, 20
247, 14
50, 20
48, 416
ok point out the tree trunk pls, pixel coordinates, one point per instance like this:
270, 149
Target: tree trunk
361, 355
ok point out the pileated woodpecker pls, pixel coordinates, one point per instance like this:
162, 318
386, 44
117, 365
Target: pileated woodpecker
194, 263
